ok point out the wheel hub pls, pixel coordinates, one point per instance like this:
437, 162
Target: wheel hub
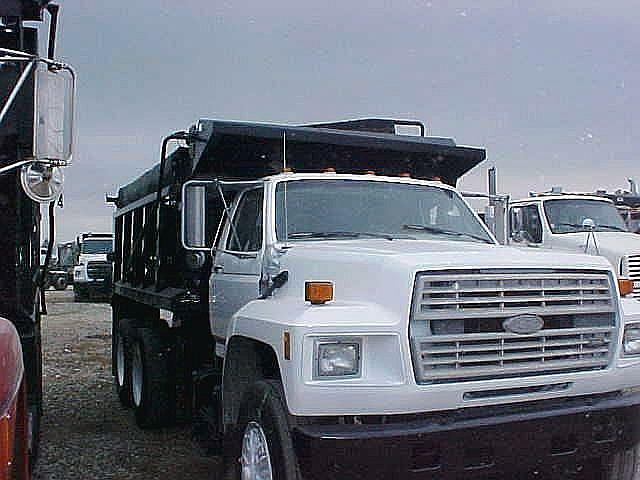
136, 375
255, 460
120, 366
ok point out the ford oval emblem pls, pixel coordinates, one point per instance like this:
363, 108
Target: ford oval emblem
523, 324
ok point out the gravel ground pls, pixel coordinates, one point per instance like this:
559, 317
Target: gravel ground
86, 434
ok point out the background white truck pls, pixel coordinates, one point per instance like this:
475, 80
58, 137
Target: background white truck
351, 325
577, 223
92, 276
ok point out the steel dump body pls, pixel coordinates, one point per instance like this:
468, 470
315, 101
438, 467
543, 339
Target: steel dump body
254, 150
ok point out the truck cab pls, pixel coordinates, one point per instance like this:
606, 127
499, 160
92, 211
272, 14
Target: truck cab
92, 274
580, 224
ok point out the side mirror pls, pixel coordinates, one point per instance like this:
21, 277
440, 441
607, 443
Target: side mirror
516, 223
54, 115
194, 205
194, 214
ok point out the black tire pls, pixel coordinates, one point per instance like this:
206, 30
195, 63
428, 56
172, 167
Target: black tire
155, 405
121, 353
34, 390
34, 411
60, 284
264, 404
624, 465
78, 297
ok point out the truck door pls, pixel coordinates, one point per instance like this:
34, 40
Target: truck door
237, 259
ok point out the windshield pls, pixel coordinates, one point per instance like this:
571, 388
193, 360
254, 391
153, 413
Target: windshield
568, 215
97, 246
357, 208
66, 256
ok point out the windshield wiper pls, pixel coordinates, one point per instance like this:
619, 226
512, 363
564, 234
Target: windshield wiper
613, 227
578, 227
444, 231
341, 234
582, 228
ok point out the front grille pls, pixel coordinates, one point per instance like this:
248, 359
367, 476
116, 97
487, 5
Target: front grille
633, 267
99, 270
457, 331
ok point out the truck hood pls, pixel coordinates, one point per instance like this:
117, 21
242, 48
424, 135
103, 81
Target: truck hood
611, 245
431, 254
383, 271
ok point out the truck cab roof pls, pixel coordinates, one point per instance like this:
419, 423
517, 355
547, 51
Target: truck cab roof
572, 196
280, 177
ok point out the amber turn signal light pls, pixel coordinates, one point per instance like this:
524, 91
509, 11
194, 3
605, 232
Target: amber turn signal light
318, 292
626, 286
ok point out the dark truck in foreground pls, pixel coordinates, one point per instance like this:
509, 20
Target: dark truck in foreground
325, 301
36, 119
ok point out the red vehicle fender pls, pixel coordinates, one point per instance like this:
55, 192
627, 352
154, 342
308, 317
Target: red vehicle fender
14, 435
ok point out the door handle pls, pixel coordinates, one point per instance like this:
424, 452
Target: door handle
218, 268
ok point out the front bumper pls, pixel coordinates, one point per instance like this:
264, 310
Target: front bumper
93, 288
527, 438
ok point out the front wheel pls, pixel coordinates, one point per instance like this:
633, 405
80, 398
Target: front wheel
60, 283
261, 447
624, 465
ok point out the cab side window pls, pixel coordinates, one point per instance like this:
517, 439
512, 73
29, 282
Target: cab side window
246, 232
526, 224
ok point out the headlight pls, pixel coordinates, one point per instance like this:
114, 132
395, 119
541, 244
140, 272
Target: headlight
80, 273
624, 267
631, 340
337, 358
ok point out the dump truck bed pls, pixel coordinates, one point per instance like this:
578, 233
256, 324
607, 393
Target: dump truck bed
244, 150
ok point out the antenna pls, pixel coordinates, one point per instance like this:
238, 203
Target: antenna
284, 150
284, 184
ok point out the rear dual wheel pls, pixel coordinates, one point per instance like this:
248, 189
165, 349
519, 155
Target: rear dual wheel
153, 391
143, 373
122, 363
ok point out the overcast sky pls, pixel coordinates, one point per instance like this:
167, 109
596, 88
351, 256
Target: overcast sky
550, 88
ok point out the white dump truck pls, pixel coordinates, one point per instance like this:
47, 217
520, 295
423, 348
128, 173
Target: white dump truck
577, 223
92, 276
328, 303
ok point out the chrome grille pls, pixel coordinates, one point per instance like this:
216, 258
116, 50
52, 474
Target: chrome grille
633, 267
457, 329
99, 270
